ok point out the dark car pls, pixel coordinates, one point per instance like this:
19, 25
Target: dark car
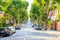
5, 32
34, 25
17, 28
37, 27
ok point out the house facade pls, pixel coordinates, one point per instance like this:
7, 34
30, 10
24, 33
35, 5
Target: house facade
52, 15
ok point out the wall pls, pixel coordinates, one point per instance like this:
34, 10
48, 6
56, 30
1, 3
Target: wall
58, 26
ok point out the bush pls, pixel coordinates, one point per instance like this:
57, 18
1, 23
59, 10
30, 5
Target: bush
49, 22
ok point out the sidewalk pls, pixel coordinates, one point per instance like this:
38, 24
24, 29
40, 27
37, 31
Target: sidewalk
57, 33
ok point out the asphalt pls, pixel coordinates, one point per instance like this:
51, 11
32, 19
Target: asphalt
29, 33
32, 34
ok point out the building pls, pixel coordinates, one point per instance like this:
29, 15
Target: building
52, 15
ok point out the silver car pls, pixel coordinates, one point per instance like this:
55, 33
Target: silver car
12, 29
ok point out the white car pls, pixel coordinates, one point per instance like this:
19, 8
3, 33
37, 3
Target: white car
12, 29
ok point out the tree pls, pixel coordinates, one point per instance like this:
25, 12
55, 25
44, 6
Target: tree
4, 4
37, 13
3, 7
34, 13
45, 6
48, 6
14, 10
18, 10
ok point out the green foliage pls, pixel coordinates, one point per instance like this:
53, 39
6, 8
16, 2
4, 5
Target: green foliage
58, 17
58, 7
57, 1
34, 11
49, 22
37, 10
44, 7
3, 21
18, 9
5, 4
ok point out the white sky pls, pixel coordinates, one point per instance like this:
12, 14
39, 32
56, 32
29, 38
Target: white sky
29, 7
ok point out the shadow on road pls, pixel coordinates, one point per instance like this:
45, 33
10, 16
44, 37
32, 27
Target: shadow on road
41, 34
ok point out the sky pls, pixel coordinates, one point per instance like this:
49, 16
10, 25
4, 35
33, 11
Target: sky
29, 7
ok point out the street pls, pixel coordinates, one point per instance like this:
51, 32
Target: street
31, 34
29, 19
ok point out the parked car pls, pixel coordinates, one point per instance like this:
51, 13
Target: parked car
37, 27
12, 29
17, 28
34, 25
5, 32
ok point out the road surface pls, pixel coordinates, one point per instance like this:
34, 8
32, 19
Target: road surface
31, 34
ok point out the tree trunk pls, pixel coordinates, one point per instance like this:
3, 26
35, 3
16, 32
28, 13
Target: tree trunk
44, 26
54, 25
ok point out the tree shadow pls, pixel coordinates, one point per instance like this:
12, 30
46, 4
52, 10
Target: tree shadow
41, 34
